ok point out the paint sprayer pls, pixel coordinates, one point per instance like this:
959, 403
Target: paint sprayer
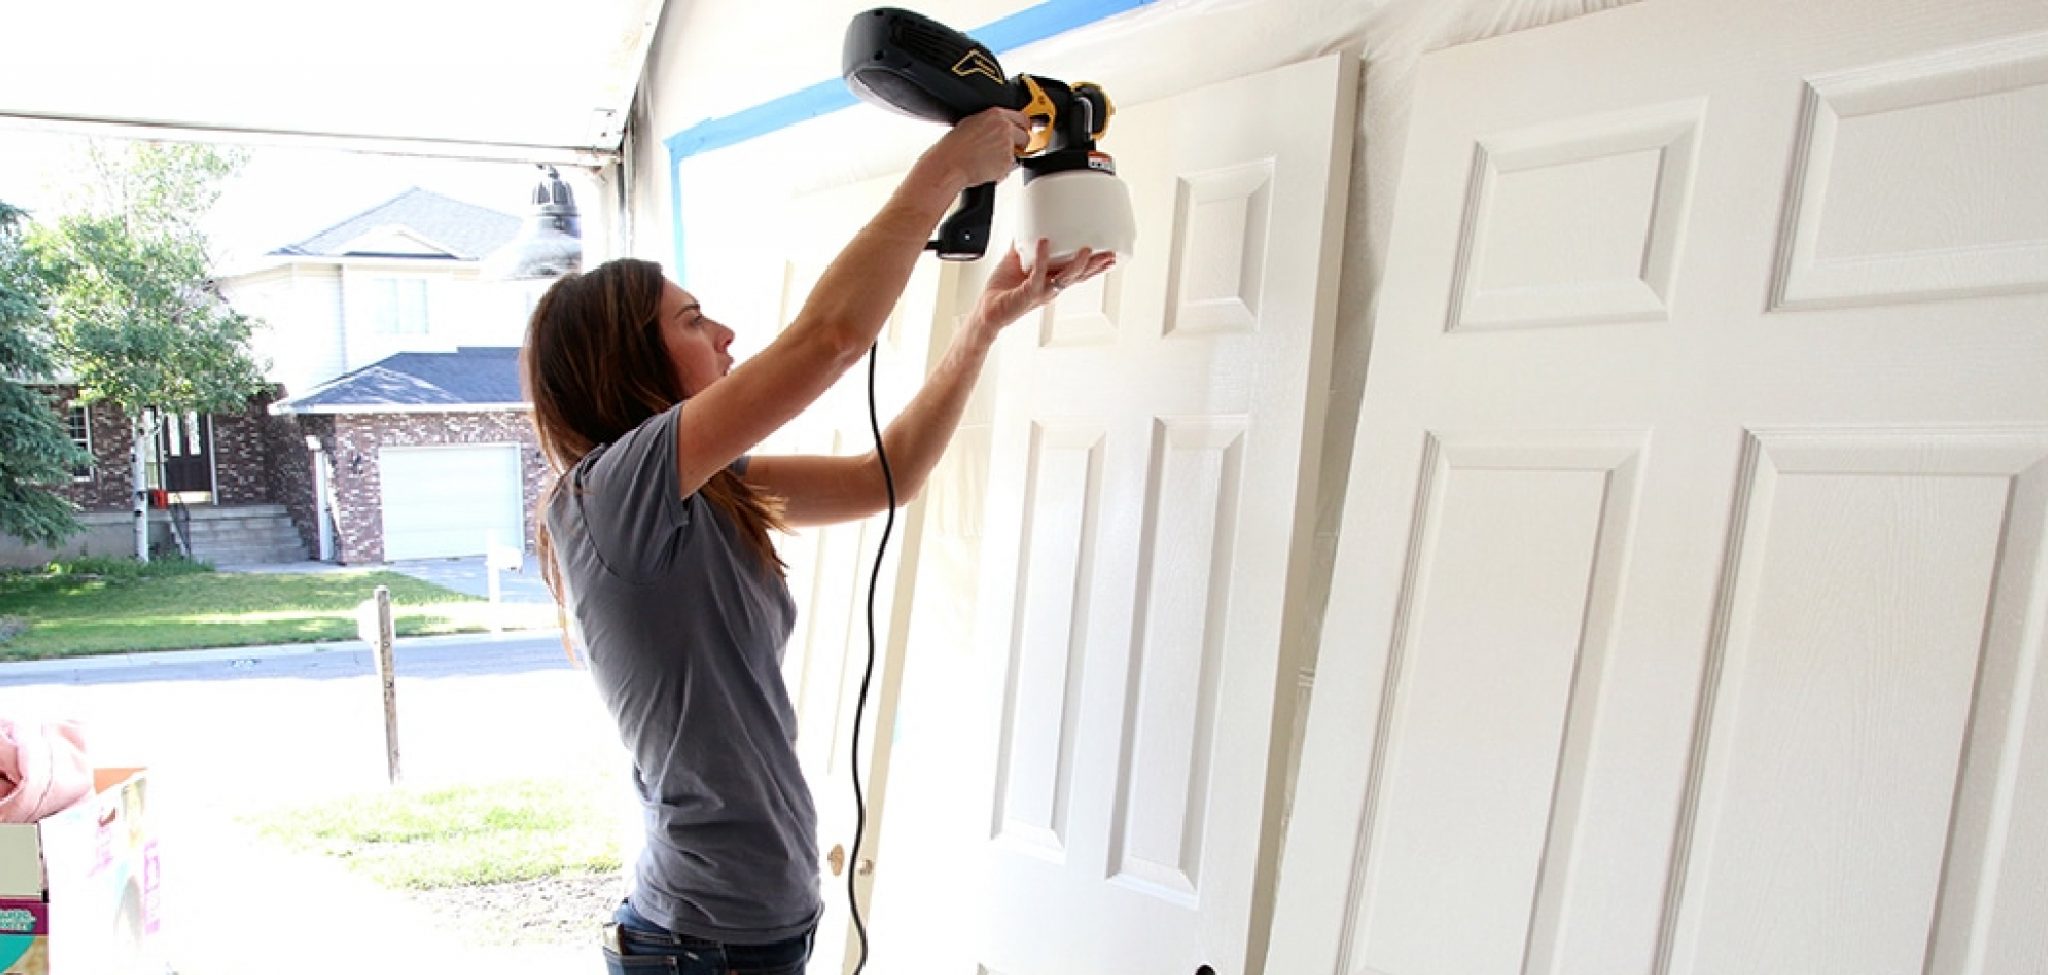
915, 66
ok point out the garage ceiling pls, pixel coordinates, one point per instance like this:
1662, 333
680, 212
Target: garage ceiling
527, 80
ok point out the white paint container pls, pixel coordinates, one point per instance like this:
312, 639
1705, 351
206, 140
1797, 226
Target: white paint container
1075, 209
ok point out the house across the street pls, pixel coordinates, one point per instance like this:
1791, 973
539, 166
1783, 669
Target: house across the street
394, 428
428, 454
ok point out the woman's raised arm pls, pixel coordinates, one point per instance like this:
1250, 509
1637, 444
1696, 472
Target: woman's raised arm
847, 309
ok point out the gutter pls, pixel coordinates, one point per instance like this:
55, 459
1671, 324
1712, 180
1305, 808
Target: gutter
285, 408
173, 130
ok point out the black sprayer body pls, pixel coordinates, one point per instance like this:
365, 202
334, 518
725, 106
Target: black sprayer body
915, 66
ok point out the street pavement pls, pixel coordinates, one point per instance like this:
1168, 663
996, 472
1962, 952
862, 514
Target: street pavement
460, 655
233, 732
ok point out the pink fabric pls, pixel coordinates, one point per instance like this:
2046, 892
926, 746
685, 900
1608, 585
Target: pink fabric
43, 769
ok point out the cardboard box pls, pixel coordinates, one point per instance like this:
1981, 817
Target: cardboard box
80, 890
24, 936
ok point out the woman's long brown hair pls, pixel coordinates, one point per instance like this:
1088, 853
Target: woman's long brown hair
595, 367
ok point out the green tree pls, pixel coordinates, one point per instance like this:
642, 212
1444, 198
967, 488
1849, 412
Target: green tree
158, 187
35, 449
135, 315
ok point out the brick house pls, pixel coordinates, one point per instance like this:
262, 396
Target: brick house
391, 352
223, 470
425, 454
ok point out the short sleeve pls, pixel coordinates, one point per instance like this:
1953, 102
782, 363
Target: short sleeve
629, 500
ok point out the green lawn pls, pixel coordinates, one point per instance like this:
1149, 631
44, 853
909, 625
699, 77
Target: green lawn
501, 832
109, 606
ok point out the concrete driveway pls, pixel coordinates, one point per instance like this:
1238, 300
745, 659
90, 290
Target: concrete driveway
226, 733
465, 575
469, 575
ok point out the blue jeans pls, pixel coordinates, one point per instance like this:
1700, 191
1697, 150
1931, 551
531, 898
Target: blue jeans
635, 944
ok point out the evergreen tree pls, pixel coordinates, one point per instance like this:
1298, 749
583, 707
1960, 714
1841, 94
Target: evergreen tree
36, 452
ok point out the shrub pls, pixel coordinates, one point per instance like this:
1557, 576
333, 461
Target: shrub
102, 567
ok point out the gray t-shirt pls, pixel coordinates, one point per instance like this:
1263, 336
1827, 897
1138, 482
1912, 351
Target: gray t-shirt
685, 632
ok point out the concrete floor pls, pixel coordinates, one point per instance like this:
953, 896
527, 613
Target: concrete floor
218, 750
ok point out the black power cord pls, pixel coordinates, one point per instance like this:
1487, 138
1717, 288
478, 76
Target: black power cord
860, 802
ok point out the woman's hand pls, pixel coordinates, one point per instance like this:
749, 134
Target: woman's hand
1012, 292
981, 148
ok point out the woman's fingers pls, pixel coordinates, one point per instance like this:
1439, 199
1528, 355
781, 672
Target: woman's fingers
1018, 285
1073, 270
1041, 264
994, 135
1083, 265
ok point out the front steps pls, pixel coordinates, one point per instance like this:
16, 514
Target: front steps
249, 534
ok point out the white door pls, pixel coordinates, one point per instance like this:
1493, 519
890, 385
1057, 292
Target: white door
443, 502
1148, 506
1690, 608
831, 569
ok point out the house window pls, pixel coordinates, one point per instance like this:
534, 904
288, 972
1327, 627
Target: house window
182, 433
79, 420
398, 306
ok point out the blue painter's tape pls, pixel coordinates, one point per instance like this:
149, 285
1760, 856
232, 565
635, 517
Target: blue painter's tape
819, 99
1048, 19
1032, 24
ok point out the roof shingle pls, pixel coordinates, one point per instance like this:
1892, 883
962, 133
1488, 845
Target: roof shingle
469, 376
467, 230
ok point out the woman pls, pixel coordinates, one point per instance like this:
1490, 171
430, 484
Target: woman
656, 540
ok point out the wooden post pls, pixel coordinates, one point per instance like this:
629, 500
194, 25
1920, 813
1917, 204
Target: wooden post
388, 677
492, 560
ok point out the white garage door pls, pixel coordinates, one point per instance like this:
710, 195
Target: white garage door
442, 502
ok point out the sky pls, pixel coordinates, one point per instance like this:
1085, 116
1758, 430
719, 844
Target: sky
283, 195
